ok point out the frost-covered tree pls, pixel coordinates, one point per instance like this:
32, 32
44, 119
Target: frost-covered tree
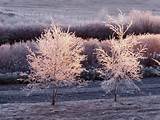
121, 65
57, 61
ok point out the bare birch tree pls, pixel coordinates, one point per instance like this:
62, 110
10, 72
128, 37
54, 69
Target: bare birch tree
57, 61
121, 65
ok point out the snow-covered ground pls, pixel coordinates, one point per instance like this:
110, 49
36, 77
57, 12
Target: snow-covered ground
16, 94
20, 12
136, 108
86, 103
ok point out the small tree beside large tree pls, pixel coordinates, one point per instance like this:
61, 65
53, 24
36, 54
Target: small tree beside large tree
121, 65
57, 62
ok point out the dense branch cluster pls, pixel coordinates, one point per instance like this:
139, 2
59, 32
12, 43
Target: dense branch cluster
121, 65
58, 59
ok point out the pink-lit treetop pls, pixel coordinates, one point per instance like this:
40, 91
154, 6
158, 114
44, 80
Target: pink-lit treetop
121, 65
58, 60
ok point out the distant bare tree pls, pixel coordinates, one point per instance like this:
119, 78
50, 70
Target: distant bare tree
57, 61
121, 65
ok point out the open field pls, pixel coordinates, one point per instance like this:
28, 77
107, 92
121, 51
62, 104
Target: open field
24, 20
136, 108
14, 12
15, 93
86, 103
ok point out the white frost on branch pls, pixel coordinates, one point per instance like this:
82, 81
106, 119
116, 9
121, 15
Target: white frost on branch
121, 65
58, 59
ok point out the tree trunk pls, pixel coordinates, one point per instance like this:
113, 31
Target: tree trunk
115, 96
54, 96
115, 93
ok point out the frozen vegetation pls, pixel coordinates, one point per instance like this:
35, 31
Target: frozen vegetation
57, 61
13, 57
95, 47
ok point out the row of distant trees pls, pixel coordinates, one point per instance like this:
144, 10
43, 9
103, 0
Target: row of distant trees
143, 22
59, 60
